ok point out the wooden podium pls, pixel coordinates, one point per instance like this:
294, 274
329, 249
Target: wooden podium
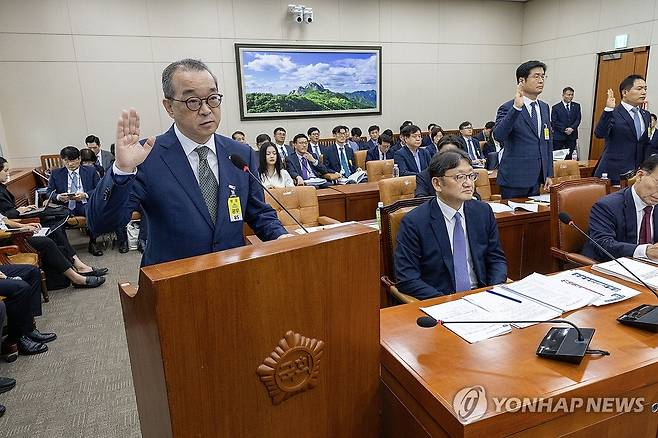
274, 340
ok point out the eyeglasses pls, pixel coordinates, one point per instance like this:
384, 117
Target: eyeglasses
462, 177
194, 103
538, 76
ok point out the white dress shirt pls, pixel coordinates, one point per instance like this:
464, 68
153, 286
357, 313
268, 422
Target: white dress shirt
449, 217
283, 152
277, 181
527, 101
80, 187
640, 250
193, 158
629, 109
309, 170
315, 148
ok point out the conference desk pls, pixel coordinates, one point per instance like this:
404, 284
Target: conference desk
586, 169
423, 369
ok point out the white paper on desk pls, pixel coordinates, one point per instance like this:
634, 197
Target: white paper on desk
509, 310
524, 206
462, 310
497, 207
550, 291
43, 232
323, 227
609, 291
546, 197
647, 272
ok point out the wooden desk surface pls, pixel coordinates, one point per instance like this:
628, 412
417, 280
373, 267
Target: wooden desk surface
349, 189
425, 368
586, 170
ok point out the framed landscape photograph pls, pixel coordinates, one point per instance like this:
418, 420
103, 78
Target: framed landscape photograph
284, 81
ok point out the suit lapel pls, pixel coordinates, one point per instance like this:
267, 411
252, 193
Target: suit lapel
175, 159
440, 232
228, 175
526, 117
627, 117
630, 216
545, 116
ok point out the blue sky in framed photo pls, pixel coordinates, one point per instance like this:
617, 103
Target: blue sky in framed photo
280, 72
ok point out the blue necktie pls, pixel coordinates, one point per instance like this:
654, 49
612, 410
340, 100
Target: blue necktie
304, 171
75, 188
638, 123
343, 163
533, 116
459, 258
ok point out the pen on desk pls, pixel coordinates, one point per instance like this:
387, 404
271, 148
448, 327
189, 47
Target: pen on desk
504, 296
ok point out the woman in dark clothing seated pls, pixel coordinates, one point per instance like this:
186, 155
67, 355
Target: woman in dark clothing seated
88, 158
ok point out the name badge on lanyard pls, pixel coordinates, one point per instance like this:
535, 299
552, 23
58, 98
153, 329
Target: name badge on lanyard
234, 208
546, 132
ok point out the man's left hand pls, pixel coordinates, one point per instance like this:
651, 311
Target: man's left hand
547, 184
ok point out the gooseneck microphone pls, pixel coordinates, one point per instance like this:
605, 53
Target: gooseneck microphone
566, 219
242, 165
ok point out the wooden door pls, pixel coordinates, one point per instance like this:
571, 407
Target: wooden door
613, 67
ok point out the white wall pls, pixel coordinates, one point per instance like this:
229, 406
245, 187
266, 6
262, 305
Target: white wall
568, 35
68, 67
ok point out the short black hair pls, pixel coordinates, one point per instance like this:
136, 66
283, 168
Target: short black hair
653, 116
279, 128
385, 138
523, 70
462, 125
489, 125
262, 160
451, 139
339, 128
436, 130
650, 164
444, 161
408, 130
565, 89
373, 128
311, 130
356, 132
628, 82
430, 126
69, 153
237, 132
260, 138
87, 155
405, 123
388, 132
298, 136
93, 139
2, 163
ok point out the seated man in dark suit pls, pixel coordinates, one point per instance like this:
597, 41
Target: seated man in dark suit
625, 223
314, 145
411, 158
303, 164
73, 184
373, 141
339, 158
383, 151
428, 139
103, 158
449, 244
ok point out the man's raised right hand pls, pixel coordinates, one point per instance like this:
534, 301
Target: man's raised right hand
129, 153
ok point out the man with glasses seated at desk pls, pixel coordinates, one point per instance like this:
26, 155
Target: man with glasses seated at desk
449, 244
304, 165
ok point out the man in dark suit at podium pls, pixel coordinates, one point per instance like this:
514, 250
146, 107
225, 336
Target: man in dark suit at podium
625, 223
449, 244
566, 119
624, 128
196, 200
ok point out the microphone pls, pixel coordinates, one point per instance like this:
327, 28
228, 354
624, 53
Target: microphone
645, 316
243, 166
568, 345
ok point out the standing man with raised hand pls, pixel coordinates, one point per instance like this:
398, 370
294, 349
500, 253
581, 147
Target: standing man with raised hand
624, 128
523, 125
183, 179
566, 119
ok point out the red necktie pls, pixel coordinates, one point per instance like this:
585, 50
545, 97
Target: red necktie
645, 228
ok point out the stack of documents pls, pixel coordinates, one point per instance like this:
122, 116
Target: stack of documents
497, 207
608, 291
648, 273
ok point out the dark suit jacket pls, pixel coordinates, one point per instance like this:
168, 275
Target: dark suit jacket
310, 149
370, 144
106, 159
59, 182
295, 167
476, 147
373, 154
426, 141
423, 256
613, 224
561, 120
528, 157
431, 149
8, 203
332, 161
179, 223
623, 151
406, 162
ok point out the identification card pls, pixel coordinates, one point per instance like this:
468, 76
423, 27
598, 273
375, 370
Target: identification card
234, 209
546, 133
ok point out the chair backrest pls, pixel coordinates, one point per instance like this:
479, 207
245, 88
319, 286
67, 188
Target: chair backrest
395, 189
565, 170
627, 179
379, 169
360, 159
391, 216
576, 198
51, 162
482, 184
301, 201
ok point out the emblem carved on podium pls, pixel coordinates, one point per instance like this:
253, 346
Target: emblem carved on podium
293, 367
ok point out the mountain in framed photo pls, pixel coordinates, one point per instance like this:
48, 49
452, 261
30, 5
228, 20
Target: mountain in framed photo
308, 81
